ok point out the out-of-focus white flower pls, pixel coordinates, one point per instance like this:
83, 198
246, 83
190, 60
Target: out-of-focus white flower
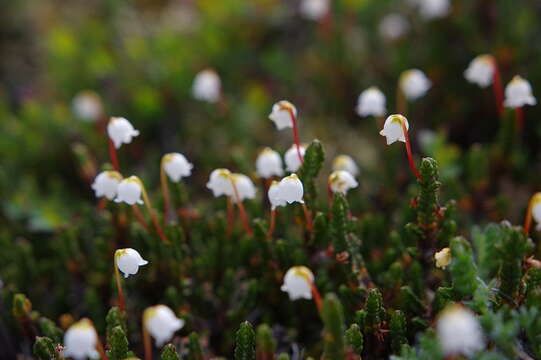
392, 129
314, 9
346, 163
393, 26
281, 116
80, 340
518, 93
433, 9
106, 184
536, 209
87, 106
414, 83
162, 323
269, 163
220, 183
176, 166
245, 187
291, 189
130, 191
275, 195
128, 261
298, 283
207, 86
459, 332
481, 70
341, 181
121, 131
443, 258
291, 158
371, 102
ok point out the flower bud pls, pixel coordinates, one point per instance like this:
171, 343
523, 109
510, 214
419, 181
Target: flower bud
433, 9
291, 189
392, 129
280, 114
536, 210
414, 83
371, 102
87, 106
393, 26
80, 340
275, 196
161, 323
106, 184
443, 258
128, 261
346, 163
314, 9
130, 191
298, 283
176, 166
121, 131
207, 86
518, 93
269, 164
291, 158
220, 183
245, 187
481, 70
459, 332
341, 181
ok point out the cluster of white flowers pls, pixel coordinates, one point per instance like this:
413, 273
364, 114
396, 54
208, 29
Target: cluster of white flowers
459, 332
518, 93
161, 323
298, 283
224, 182
314, 9
129, 191
207, 86
128, 261
481, 70
341, 181
371, 102
414, 83
176, 166
121, 131
106, 184
287, 191
392, 129
281, 114
269, 164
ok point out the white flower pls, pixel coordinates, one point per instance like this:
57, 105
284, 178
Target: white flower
106, 184
128, 261
281, 116
298, 283
87, 106
392, 129
314, 9
341, 181
207, 86
481, 70
371, 102
275, 195
443, 258
220, 183
245, 187
130, 191
291, 189
269, 164
80, 340
393, 26
518, 93
176, 166
459, 331
414, 83
433, 9
161, 322
536, 210
121, 131
291, 158
345, 162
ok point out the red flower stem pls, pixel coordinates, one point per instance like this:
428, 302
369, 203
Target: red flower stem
153, 216
408, 151
165, 192
316, 295
230, 217
296, 134
308, 217
101, 350
139, 216
242, 210
121, 299
498, 89
113, 156
528, 218
272, 224
519, 118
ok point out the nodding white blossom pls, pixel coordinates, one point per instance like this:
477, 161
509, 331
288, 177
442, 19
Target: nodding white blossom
314, 9
536, 210
128, 261
481, 70
220, 182
518, 93
393, 26
161, 322
341, 181
80, 341
432, 9
130, 191
176, 166
414, 83
207, 86
291, 158
459, 332
121, 131
443, 258
275, 195
346, 163
291, 189
244, 186
298, 283
371, 102
392, 129
281, 116
87, 106
269, 164
106, 184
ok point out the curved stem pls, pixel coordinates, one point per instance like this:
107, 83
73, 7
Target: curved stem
498, 88
139, 216
272, 224
519, 118
296, 134
242, 210
408, 151
152, 214
316, 295
113, 155
165, 191
121, 299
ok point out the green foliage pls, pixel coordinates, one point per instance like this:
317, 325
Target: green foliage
313, 162
245, 342
50, 330
265, 343
354, 339
194, 347
169, 353
118, 344
44, 349
333, 320
340, 223
398, 328
463, 269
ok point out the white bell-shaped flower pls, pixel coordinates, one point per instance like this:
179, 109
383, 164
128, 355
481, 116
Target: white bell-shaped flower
220, 182
87, 106
161, 323
275, 196
518, 93
346, 163
128, 261
269, 164
176, 166
245, 187
207, 86
291, 189
392, 129
393, 26
459, 332
281, 116
414, 83
121, 131
314, 9
371, 102
342, 181
443, 258
481, 70
80, 341
106, 184
291, 158
433, 9
536, 210
298, 283
130, 191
